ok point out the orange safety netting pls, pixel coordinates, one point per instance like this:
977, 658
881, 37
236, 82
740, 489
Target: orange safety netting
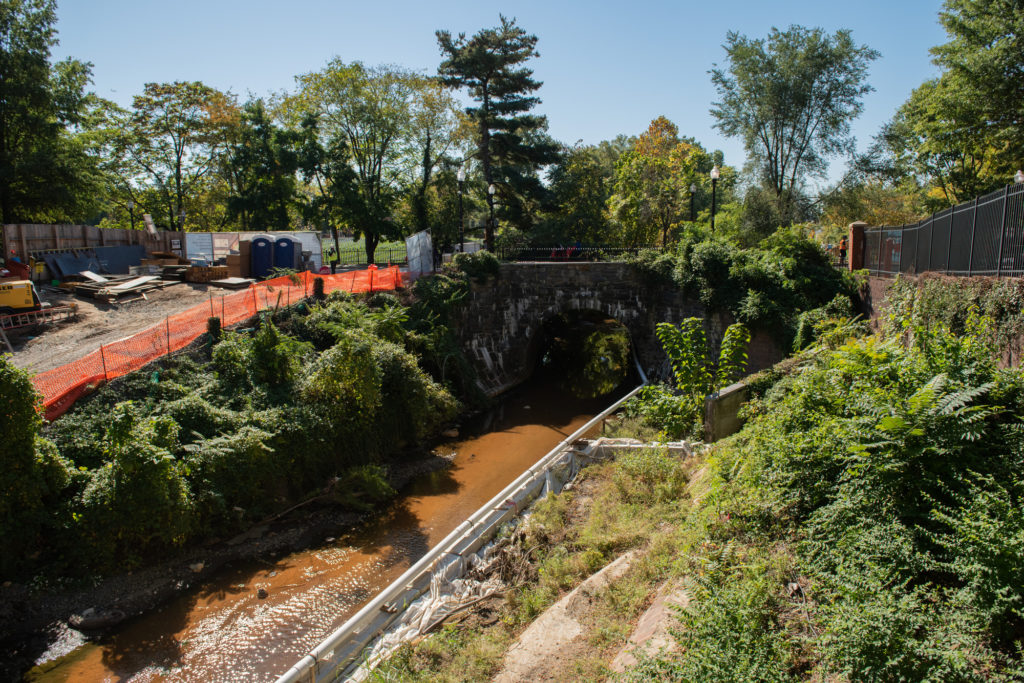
62, 386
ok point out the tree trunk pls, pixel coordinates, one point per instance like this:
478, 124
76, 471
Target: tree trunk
370, 242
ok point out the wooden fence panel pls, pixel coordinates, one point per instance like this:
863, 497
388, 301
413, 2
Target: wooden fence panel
26, 239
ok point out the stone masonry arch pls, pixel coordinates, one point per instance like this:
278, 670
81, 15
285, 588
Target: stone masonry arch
501, 317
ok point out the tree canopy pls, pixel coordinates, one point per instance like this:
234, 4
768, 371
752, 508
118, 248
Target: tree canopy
512, 144
791, 97
651, 191
47, 172
963, 132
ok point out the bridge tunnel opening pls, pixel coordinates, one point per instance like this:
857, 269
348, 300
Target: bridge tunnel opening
588, 353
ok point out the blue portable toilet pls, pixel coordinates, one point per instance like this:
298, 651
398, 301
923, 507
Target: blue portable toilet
262, 256
286, 253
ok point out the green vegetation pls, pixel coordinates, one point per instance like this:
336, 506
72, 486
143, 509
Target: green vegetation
305, 406
864, 525
766, 287
588, 354
512, 142
634, 502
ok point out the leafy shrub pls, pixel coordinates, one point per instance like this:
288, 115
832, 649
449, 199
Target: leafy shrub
765, 287
412, 405
343, 388
362, 487
138, 502
695, 374
194, 415
883, 459
32, 473
729, 630
233, 470
478, 266
275, 359
810, 324
230, 362
657, 405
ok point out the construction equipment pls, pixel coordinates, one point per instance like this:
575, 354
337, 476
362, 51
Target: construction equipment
19, 296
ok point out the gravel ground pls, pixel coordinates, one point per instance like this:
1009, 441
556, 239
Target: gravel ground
46, 347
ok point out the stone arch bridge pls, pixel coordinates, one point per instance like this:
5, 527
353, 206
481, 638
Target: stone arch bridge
500, 326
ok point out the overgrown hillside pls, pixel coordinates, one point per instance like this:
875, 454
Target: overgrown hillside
305, 404
865, 525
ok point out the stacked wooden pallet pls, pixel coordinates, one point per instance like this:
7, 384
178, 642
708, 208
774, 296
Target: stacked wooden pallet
113, 287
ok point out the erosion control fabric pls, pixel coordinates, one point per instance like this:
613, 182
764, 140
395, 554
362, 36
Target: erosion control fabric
62, 386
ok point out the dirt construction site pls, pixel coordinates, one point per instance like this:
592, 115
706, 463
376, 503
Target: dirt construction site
44, 347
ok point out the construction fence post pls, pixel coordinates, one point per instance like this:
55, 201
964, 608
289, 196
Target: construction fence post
167, 326
103, 358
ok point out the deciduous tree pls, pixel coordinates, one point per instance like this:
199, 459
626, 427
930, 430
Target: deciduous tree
176, 135
47, 173
651, 189
262, 162
369, 108
963, 132
791, 98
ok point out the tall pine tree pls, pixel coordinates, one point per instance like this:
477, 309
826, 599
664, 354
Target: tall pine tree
512, 143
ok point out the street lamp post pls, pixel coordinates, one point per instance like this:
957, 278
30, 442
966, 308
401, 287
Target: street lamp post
131, 212
490, 225
461, 177
693, 190
715, 173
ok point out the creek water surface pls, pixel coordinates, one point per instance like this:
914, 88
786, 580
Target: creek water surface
222, 631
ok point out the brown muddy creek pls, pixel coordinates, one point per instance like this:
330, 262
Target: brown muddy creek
221, 630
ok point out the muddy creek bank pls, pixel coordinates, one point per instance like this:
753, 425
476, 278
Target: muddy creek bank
255, 619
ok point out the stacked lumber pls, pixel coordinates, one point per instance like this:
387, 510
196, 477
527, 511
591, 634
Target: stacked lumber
113, 287
206, 273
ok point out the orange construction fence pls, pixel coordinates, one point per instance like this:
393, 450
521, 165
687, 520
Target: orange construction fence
62, 386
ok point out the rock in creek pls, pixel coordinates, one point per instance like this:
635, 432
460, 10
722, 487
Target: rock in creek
94, 619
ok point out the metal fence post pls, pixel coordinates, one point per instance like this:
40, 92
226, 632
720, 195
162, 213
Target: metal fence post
917, 252
1002, 231
931, 242
103, 358
167, 326
949, 238
974, 225
899, 266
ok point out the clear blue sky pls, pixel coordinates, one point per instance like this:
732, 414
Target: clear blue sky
607, 67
